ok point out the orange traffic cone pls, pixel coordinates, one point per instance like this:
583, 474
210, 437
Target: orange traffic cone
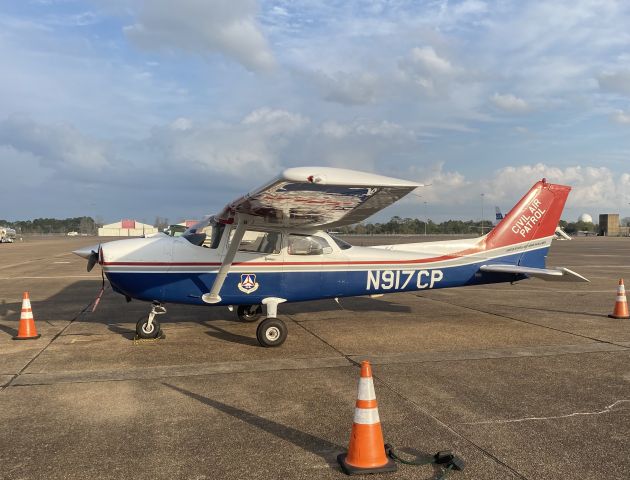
366, 452
621, 305
26, 330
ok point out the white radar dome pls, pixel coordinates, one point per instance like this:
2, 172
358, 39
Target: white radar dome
586, 218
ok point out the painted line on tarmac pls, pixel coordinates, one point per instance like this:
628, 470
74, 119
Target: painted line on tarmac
512, 352
4, 267
508, 317
148, 373
249, 366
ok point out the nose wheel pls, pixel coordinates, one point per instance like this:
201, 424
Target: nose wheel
150, 327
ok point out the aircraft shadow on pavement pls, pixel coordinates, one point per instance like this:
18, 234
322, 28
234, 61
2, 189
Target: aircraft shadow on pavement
222, 334
310, 443
73, 303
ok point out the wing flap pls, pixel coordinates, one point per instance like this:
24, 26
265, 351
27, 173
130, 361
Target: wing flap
558, 274
321, 197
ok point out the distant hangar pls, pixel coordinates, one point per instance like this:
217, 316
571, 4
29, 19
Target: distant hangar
126, 228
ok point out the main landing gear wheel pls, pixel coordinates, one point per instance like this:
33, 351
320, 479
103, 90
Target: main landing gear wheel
249, 313
271, 332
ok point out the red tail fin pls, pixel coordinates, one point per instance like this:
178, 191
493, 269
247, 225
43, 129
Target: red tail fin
535, 216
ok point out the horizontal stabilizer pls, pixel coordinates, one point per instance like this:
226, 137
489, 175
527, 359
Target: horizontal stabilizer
558, 274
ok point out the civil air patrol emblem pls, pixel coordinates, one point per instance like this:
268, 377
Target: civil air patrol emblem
248, 283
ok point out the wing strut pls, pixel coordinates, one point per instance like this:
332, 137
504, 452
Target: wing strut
213, 296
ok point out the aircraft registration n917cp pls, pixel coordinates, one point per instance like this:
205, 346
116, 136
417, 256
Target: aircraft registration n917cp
270, 247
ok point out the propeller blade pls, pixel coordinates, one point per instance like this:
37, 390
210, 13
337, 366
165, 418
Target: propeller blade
92, 259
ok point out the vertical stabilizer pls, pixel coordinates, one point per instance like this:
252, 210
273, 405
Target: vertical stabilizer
534, 217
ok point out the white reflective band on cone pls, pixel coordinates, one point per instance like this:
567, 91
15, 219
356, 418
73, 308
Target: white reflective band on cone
27, 315
366, 389
366, 416
621, 298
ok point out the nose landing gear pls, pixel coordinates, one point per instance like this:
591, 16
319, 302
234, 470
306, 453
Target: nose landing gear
150, 328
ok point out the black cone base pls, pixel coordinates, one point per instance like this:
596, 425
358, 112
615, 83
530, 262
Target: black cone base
27, 338
348, 469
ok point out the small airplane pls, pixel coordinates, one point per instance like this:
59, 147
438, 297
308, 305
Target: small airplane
498, 215
270, 247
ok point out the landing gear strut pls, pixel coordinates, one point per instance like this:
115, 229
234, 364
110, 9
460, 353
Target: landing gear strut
150, 328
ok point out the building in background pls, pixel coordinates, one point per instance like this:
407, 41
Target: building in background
188, 223
126, 228
609, 224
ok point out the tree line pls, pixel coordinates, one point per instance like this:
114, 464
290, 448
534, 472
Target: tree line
396, 225
48, 226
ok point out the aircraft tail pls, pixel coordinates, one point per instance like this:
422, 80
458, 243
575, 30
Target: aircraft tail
534, 217
498, 215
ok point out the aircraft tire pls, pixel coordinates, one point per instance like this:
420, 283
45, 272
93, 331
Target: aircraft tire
142, 331
247, 313
271, 332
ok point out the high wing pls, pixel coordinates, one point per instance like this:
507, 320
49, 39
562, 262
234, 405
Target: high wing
319, 197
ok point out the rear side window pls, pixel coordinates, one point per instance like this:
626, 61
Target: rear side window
308, 245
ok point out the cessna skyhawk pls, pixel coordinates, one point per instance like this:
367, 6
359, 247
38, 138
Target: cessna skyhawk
270, 247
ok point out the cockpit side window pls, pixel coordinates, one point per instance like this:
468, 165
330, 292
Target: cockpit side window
308, 245
206, 233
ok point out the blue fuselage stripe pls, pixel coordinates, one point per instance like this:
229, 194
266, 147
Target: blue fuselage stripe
295, 286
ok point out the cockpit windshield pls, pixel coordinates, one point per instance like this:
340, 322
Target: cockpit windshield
206, 233
342, 244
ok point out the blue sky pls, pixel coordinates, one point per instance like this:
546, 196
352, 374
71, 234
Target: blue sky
146, 108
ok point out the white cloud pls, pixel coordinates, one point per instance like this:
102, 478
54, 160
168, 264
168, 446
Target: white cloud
59, 146
346, 88
382, 129
275, 121
618, 82
444, 187
591, 186
510, 103
182, 123
427, 69
470, 7
203, 27
621, 117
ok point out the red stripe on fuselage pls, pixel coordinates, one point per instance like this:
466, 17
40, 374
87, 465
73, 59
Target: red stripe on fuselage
279, 264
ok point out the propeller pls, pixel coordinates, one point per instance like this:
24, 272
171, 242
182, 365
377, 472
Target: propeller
90, 254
